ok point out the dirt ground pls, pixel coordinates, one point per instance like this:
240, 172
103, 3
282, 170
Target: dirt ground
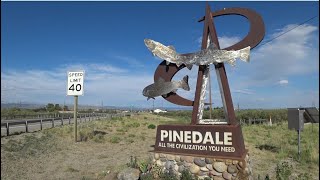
81, 160
53, 154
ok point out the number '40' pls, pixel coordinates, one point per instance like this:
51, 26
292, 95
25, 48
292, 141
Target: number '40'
77, 87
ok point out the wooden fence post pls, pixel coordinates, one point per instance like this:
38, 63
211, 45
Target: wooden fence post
69, 119
40, 124
62, 121
52, 122
26, 126
7, 126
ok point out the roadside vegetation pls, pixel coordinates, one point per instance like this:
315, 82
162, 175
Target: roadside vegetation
105, 147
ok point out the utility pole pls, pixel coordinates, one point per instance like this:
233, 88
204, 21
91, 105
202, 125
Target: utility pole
153, 105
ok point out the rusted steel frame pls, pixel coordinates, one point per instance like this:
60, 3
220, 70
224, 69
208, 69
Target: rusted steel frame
256, 31
201, 70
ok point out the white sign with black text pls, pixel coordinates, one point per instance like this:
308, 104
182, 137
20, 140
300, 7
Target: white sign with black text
75, 83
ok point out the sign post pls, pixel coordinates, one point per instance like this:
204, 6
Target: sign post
75, 88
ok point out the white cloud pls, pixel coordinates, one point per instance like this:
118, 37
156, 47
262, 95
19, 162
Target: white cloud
224, 41
283, 82
244, 91
101, 83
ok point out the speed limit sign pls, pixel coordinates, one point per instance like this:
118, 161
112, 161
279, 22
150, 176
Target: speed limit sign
75, 83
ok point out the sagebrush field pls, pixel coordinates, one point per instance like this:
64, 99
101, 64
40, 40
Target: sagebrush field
106, 146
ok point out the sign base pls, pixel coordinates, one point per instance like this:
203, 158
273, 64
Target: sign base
202, 167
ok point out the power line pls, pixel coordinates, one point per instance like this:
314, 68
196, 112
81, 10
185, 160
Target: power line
288, 30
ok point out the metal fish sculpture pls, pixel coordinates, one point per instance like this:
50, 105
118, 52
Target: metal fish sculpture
211, 55
161, 87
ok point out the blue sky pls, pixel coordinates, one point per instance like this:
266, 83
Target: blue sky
41, 41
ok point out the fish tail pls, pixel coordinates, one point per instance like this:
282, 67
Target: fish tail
244, 54
184, 83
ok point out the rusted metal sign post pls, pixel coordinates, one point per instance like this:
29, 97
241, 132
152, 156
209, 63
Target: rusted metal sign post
217, 140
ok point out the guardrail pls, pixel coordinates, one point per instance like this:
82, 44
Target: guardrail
80, 118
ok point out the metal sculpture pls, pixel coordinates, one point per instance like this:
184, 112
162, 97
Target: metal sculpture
210, 54
160, 87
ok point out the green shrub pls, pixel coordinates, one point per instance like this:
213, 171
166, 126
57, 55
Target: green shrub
151, 126
115, 139
133, 162
131, 135
186, 175
146, 176
283, 171
304, 176
135, 125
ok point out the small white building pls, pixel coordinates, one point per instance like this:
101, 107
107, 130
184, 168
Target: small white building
158, 111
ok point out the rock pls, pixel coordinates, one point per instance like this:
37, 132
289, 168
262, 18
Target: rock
235, 174
240, 164
217, 178
176, 168
201, 173
203, 159
201, 177
220, 166
179, 163
188, 159
215, 173
128, 174
194, 169
177, 158
156, 156
187, 164
163, 159
226, 175
235, 162
204, 169
169, 165
228, 162
209, 166
209, 160
199, 162
162, 155
181, 168
170, 157
232, 169
159, 163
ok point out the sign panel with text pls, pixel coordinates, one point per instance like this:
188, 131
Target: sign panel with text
75, 83
223, 140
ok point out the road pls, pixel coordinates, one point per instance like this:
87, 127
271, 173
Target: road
31, 125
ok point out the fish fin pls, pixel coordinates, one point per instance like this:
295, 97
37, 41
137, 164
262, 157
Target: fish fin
232, 62
171, 47
244, 54
167, 63
189, 66
184, 83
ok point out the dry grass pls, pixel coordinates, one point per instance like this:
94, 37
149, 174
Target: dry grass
106, 147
